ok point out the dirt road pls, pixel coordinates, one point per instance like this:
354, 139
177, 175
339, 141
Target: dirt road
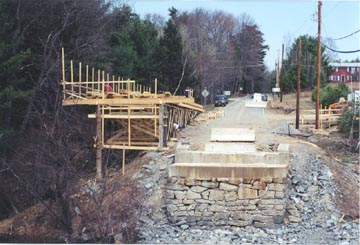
313, 189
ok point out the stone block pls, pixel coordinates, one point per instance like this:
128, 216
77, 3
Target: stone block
170, 194
180, 213
237, 181
216, 208
266, 179
221, 217
279, 207
279, 180
172, 208
294, 219
272, 201
241, 216
177, 187
188, 202
228, 187
276, 187
191, 182
259, 185
205, 195
180, 195
265, 207
246, 193
216, 195
204, 201
230, 196
239, 223
266, 194
192, 195
248, 207
273, 212
262, 218
198, 189
212, 184
265, 225
202, 207
279, 194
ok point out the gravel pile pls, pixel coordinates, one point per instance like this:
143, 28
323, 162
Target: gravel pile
311, 196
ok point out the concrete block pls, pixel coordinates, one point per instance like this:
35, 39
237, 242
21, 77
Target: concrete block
232, 134
245, 157
228, 170
229, 147
283, 148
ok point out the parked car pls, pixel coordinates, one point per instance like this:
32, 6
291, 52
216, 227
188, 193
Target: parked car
220, 100
264, 97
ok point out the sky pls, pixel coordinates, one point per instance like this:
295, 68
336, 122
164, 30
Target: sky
281, 21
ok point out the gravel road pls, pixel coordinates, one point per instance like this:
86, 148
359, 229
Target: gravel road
312, 190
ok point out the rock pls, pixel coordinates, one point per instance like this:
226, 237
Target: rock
231, 196
198, 189
149, 167
313, 189
192, 195
208, 184
216, 195
246, 193
184, 227
228, 187
294, 219
149, 185
300, 189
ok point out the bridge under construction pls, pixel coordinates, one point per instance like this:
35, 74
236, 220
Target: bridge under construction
129, 116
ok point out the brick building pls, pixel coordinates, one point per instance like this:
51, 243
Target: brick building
345, 72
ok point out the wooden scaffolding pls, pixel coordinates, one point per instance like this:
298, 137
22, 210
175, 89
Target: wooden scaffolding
129, 116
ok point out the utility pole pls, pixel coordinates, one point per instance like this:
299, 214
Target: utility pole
282, 63
318, 68
298, 83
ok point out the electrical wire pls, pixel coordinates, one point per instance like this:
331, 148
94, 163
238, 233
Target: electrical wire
342, 52
347, 35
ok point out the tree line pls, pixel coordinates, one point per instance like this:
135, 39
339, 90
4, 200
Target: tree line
44, 146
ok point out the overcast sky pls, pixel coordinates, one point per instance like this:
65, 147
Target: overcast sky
281, 21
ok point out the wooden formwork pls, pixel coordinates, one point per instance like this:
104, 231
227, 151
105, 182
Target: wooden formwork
129, 116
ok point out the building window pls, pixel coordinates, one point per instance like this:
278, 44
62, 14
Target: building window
336, 69
348, 69
355, 78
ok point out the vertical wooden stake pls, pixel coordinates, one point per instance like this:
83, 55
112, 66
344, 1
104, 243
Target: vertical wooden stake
155, 92
98, 84
92, 79
63, 70
79, 79
72, 76
87, 78
128, 88
99, 173
103, 83
161, 126
129, 126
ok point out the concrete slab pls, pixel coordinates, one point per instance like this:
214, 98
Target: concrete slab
250, 157
229, 147
232, 134
283, 147
228, 170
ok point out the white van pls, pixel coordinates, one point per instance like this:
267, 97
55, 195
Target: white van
257, 97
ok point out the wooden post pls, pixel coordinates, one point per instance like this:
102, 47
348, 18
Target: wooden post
317, 90
155, 92
87, 78
161, 126
98, 85
103, 83
72, 77
129, 126
63, 70
320, 116
128, 88
99, 174
92, 79
123, 160
298, 83
79, 79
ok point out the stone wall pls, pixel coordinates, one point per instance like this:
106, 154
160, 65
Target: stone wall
260, 202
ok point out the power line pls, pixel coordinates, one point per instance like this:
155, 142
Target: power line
342, 52
347, 35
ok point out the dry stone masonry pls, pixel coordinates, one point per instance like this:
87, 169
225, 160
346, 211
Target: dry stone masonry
241, 188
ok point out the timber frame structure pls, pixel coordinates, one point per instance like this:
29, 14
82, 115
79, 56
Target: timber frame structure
131, 116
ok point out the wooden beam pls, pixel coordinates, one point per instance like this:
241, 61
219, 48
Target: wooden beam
111, 116
99, 145
140, 148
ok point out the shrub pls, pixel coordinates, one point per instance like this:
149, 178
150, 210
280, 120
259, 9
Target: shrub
330, 94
